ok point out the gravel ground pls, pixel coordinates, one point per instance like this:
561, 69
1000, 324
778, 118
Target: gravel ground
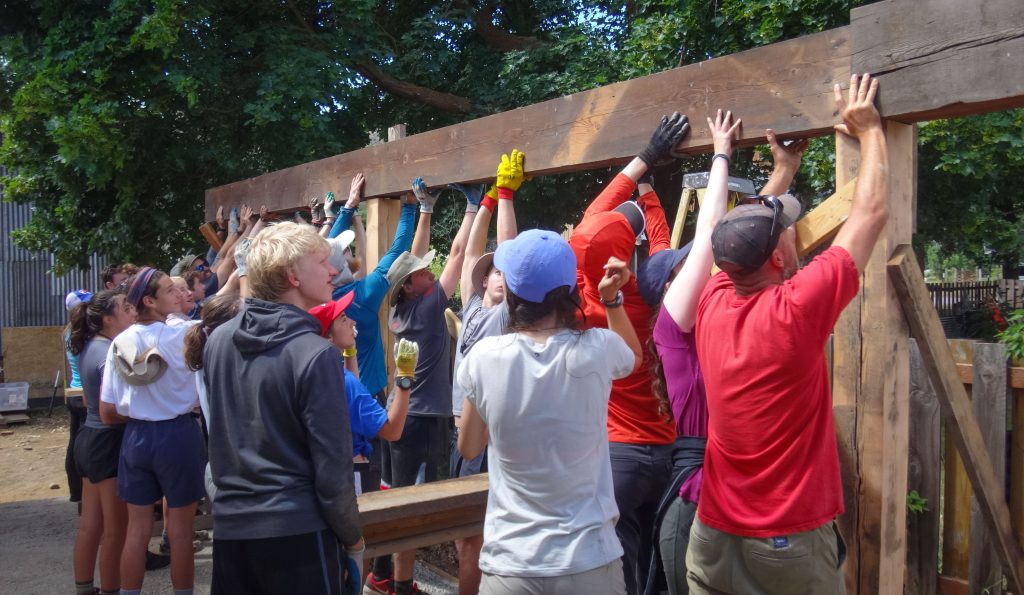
35, 554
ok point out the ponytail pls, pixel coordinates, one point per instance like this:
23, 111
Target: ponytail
216, 311
86, 319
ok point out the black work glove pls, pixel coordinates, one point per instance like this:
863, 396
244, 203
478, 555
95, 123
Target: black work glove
669, 133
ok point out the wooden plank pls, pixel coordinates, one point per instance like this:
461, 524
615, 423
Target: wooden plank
941, 58
952, 586
1017, 464
679, 225
988, 402
786, 86
923, 477
210, 235
1015, 375
956, 527
423, 540
956, 409
846, 377
821, 223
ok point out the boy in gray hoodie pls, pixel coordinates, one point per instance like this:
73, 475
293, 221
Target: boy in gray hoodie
280, 441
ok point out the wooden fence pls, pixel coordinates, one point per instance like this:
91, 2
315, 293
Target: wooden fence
936, 474
955, 299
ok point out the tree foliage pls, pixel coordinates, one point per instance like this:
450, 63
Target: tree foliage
117, 115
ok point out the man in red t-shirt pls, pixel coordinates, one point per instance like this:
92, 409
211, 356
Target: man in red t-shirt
771, 486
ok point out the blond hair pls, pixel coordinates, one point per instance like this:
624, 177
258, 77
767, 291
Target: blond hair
274, 253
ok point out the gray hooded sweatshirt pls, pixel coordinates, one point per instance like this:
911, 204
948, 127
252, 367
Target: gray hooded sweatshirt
280, 439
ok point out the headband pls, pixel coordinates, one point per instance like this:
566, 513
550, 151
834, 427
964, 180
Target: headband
138, 286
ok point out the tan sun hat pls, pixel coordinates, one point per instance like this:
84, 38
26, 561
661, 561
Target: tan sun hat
479, 272
406, 264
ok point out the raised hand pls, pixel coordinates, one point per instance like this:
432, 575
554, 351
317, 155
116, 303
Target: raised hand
221, 223
510, 171
616, 274
858, 108
474, 193
316, 210
426, 199
723, 132
406, 354
787, 156
355, 192
669, 133
245, 220
233, 222
331, 206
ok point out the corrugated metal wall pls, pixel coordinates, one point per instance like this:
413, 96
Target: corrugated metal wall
29, 294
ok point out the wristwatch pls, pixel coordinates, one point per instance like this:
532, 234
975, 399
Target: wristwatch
615, 303
404, 382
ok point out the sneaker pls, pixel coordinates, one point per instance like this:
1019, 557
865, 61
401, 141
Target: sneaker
156, 561
415, 590
197, 546
376, 586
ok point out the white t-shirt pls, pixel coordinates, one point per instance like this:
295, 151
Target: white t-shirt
551, 509
173, 394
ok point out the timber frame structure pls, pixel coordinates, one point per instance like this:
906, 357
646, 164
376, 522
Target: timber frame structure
934, 58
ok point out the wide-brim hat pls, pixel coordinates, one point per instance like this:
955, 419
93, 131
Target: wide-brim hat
327, 313
182, 265
479, 272
406, 264
745, 237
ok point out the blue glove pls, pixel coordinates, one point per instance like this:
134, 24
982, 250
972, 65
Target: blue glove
426, 199
474, 194
233, 221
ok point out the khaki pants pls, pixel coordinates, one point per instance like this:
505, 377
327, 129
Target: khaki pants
604, 580
805, 563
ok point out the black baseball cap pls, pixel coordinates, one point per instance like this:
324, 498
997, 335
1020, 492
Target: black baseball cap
745, 237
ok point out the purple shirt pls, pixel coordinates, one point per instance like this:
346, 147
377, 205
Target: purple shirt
685, 384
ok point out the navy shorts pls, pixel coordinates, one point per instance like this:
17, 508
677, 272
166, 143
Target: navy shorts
97, 452
162, 459
460, 467
419, 456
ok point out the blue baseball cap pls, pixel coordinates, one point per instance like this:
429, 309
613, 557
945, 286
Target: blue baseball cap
76, 297
536, 262
653, 273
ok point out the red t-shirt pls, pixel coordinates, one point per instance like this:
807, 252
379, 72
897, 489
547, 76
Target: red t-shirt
633, 415
771, 467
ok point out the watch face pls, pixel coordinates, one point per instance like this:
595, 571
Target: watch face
404, 382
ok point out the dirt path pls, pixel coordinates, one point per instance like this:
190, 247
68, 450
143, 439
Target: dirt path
32, 458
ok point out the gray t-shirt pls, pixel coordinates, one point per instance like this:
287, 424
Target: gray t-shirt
91, 362
422, 320
477, 322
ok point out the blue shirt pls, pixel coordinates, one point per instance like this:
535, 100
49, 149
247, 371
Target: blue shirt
365, 415
370, 292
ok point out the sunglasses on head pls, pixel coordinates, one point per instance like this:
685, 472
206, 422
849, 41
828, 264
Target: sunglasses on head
772, 202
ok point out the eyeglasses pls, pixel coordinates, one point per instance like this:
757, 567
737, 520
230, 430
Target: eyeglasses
772, 202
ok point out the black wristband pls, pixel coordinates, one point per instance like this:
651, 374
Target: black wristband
615, 303
721, 156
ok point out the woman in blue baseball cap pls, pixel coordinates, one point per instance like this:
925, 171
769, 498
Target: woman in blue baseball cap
539, 395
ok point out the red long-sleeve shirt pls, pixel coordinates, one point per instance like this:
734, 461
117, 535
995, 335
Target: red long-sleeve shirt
632, 410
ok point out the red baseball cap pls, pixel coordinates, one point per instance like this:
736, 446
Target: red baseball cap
326, 313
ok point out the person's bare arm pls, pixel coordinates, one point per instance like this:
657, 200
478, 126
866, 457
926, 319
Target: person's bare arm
475, 246
109, 414
421, 239
397, 412
453, 268
684, 292
472, 432
254, 230
870, 205
787, 162
232, 285
616, 274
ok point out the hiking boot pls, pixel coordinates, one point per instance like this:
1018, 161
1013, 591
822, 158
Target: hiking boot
156, 561
376, 586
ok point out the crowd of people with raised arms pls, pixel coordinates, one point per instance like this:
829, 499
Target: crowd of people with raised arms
648, 424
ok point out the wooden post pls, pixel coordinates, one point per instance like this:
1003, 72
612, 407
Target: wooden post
956, 409
381, 222
872, 385
989, 404
1017, 464
923, 476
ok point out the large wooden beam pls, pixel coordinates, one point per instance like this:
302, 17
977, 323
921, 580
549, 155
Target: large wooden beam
956, 409
786, 86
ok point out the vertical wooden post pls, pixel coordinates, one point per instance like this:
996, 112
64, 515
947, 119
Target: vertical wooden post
989, 404
381, 222
923, 476
872, 386
1017, 464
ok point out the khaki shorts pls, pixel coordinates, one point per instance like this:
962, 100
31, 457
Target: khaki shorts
802, 563
603, 580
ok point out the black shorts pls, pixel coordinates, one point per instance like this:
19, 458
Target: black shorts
421, 454
460, 467
97, 451
313, 563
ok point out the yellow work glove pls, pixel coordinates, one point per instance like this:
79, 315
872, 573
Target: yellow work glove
406, 354
510, 172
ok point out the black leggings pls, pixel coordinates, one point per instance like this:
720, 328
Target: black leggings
77, 413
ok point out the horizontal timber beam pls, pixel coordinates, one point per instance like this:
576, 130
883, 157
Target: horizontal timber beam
934, 58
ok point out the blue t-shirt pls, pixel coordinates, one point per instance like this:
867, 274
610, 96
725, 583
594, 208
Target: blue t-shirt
365, 415
370, 292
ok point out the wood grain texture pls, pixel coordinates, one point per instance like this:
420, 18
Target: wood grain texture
923, 477
786, 86
1017, 464
822, 223
956, 526
988, 402
956, 407
941, 58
